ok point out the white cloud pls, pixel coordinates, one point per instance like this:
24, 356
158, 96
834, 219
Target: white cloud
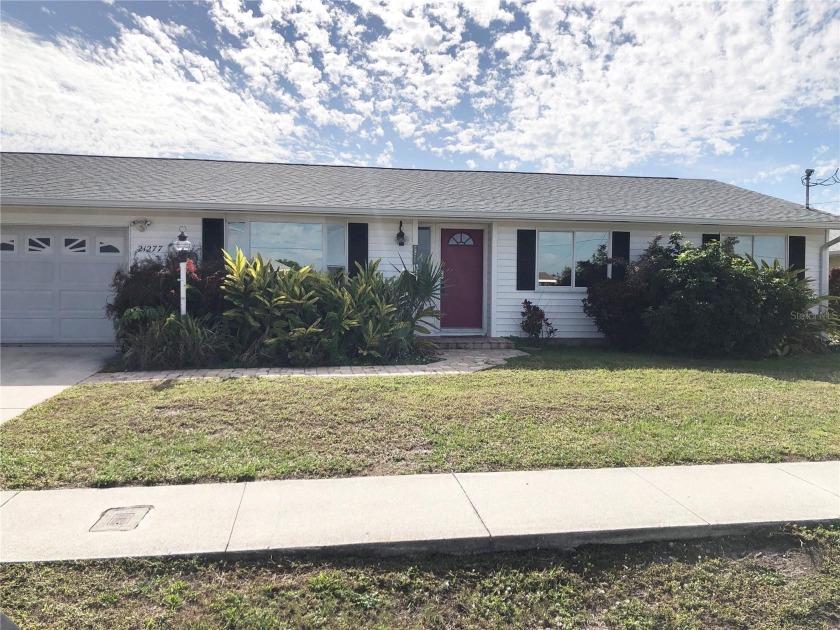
484, 12
777, 174
722, 147
823, 148
134, 97
404, 124
514, 44
386, 157
471, 164
596, 87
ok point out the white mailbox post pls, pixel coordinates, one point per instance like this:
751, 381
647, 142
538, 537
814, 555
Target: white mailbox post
183, 247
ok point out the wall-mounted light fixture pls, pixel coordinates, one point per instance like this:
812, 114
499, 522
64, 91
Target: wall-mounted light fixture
140, 224
401, 238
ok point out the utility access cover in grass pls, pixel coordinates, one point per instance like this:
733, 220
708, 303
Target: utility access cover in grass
121, 519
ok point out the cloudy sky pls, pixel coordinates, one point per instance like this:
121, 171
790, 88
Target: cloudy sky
743, 92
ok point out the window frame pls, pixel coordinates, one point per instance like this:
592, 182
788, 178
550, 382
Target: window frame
785, 242
47, 251
572, 287
65, 251
324, 222
425, 229
13, 239
123, 245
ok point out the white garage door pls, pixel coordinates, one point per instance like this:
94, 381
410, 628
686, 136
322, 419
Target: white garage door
54, 283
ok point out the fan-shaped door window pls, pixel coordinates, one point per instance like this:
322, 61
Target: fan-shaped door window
73, 245
461, 239
109, 245
39, 244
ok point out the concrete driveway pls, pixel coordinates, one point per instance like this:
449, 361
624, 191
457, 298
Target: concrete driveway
31, 374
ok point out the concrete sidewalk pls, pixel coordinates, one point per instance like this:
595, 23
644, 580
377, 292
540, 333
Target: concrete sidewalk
450, 513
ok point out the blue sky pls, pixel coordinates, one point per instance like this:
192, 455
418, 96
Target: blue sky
743, 92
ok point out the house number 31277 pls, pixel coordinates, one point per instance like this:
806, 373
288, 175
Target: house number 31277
151, 249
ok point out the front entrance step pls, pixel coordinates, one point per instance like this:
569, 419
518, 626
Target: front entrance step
472, 343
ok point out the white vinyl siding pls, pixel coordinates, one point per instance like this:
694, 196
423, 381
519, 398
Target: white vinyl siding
382, 245
563, 307
504, 302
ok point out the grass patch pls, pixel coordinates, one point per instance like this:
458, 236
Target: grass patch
774, 580
557, 408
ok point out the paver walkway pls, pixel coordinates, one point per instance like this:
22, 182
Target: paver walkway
430, 513
453, 362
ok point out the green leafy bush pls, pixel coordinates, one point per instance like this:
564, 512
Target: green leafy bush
618, 305
162, 340
678, 299
534, 322
834, 287
301, 317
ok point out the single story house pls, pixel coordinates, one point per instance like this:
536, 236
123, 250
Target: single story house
68, 221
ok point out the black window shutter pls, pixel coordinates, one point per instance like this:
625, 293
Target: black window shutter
526, 260
620, 249
708, 238
212, 238
796, 254
357, 247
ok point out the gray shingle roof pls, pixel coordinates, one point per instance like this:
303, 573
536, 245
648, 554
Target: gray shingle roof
74, 180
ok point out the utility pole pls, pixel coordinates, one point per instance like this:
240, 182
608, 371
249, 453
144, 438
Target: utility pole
834, 178
808, 173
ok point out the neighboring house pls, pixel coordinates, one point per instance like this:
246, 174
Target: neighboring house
68, 221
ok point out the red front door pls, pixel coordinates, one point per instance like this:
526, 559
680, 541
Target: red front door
462, 255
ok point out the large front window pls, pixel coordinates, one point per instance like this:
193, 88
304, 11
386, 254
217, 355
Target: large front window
563, 257
287, 243
761, 248
284, 243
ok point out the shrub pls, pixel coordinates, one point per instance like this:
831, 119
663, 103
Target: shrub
257, 312
834, 287
302, 317
169, 341
678, 299
534, 322
155, 283
618, 304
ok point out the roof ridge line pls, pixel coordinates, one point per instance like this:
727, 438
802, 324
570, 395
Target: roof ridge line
355, 166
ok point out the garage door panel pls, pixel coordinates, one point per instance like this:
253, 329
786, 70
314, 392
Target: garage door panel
27, 302
97, 275
73, 329
58, 295
30, 328
88, 301
27, 273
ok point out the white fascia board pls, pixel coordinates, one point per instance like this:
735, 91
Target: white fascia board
819, 222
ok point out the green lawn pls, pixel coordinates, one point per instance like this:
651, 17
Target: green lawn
782, 580
558, 408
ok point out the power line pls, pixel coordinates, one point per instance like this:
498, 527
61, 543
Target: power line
828, 181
